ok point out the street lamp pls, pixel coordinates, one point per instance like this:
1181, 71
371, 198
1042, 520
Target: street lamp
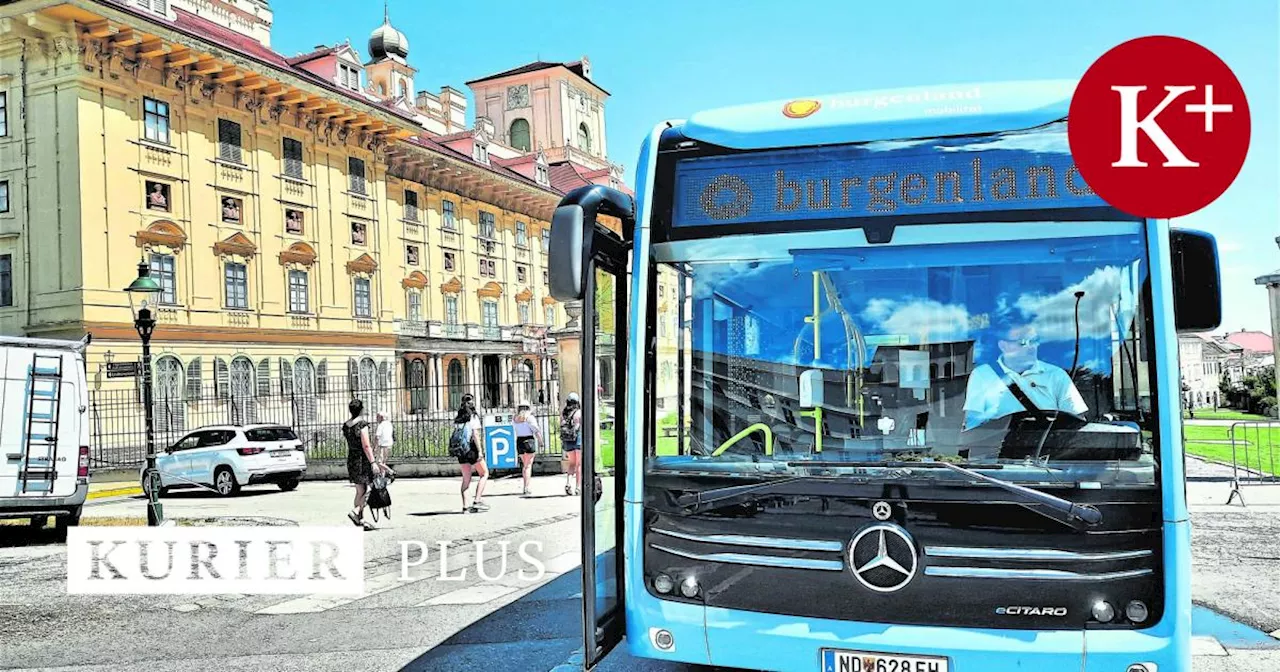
142, 292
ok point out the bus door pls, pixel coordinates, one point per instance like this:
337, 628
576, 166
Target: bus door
589, 264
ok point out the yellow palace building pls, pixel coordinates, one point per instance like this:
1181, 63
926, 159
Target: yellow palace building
309, 217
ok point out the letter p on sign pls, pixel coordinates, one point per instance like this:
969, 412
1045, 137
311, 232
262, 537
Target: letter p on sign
1159, 127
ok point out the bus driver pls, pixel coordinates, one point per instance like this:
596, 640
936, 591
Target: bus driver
994, 391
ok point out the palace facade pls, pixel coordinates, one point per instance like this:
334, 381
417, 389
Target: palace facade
308, 217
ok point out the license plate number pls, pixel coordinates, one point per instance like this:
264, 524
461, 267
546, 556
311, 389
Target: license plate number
280, 453
868, 661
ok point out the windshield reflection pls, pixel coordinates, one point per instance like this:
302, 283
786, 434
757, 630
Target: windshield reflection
1025, 352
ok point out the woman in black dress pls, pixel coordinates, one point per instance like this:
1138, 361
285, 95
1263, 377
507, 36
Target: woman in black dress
360, 464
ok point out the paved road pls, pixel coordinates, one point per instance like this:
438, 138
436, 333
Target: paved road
507, 624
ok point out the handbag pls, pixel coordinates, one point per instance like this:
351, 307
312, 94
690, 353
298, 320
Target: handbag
379, 497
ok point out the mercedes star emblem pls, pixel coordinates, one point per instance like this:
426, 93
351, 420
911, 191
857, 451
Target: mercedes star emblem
883, 557
881, 510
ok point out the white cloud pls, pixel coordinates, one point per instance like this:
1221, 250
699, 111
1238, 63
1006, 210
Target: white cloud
1054, 314
1044, 143
1229, 246
924, 319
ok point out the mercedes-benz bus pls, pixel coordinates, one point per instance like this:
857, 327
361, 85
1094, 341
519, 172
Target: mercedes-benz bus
881, 385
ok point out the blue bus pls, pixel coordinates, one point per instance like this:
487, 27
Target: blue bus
881, 385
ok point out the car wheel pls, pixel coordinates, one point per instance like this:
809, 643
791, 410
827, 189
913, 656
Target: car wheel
290, 484
224, 482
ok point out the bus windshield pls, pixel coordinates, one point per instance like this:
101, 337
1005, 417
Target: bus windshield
790, 355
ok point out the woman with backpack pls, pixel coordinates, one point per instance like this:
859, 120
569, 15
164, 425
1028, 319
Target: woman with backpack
571, 435
467, 444
528, 437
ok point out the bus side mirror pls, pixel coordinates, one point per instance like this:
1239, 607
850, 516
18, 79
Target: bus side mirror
565, 271
574, 235
1197, 292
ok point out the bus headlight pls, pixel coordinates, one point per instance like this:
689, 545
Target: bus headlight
689, 587
663, 584
1136, 611
1103, 611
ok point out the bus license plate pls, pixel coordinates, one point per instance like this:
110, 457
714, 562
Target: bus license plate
869, 661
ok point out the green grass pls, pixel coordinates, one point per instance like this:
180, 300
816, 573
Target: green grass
1254, 435
1224, 415
1217, 452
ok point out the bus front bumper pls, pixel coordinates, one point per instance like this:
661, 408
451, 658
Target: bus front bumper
757, 641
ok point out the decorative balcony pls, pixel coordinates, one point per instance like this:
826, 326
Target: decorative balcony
461, 332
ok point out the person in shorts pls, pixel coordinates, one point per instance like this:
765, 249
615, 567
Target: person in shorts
474, 457
528, 438
361, 464
571, 434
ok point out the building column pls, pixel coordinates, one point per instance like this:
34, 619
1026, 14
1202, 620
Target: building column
1272, 283
433, 382
505, 393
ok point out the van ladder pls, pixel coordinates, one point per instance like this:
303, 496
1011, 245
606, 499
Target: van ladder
44, 385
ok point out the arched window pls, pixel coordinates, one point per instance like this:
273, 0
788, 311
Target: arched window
404, 90
304, 387
520, 135
456, 384
169, 410
584, 137
368, 376
417, 386
243, 408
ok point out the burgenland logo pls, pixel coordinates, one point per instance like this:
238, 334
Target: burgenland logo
883, 557
799, 109
726, 197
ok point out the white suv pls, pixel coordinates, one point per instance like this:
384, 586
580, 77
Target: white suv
226, 457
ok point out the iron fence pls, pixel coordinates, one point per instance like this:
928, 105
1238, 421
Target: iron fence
421, 416
1253, 455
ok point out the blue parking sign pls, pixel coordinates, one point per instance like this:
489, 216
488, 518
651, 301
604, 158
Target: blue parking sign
500, 443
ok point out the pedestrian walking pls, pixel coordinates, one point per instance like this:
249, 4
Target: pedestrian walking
528, 438
467, 444
571, 436
385, 436
361, 464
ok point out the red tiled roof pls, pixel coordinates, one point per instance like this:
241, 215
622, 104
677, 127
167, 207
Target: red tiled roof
220, 36
574, 67
452, 136
1252, 341
565, 177
311, 56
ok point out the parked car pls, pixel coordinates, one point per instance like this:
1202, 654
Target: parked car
228, 457
44, 430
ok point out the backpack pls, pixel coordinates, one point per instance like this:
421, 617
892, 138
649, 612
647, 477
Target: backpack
460, 440
569, 428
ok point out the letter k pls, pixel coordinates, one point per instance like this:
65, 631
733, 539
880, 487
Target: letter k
1130, 125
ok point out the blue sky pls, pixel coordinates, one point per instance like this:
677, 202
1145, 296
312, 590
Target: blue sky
666, 59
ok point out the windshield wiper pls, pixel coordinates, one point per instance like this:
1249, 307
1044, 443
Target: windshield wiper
697, 500
1084, 513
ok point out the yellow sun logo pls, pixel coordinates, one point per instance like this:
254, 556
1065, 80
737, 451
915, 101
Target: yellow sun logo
799, 109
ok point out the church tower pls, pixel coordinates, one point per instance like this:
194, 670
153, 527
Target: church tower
389, 72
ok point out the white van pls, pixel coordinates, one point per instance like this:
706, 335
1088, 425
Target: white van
44, 430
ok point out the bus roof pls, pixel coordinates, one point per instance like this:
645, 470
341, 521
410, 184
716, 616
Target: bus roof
886, 114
